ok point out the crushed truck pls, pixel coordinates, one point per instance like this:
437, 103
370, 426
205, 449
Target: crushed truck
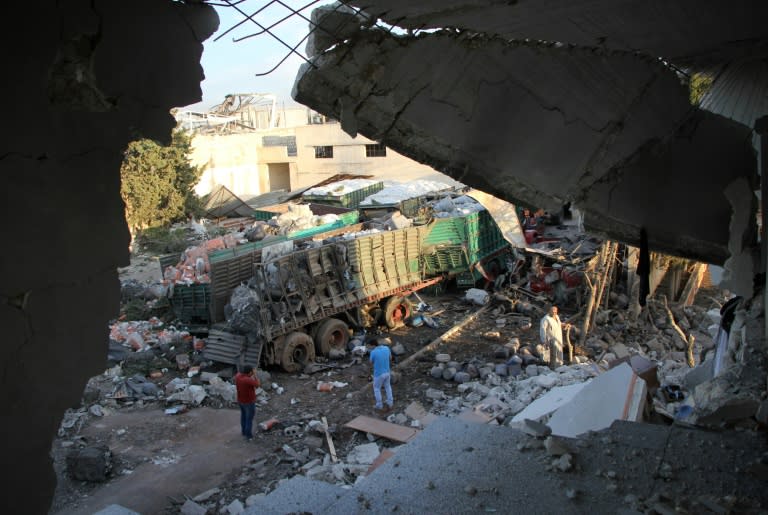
303, 303
204, 302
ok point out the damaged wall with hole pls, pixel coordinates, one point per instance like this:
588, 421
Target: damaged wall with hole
82, 79
547, 104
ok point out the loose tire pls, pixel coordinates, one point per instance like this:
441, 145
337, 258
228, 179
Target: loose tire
331, 334
396, 311
298, 350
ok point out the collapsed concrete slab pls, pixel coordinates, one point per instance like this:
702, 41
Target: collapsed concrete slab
462, 467
618, 394
541, 124
549, 402
684, 31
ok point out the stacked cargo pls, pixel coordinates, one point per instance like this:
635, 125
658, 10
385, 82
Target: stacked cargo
386, 260
204, 302
349, 193
461, 243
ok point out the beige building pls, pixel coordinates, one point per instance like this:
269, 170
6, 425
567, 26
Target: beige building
299, 148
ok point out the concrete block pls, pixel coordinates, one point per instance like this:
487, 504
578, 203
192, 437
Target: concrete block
465, 387
700, 374
546, 381
537, 429
556, 446
461, 377
90, 463
192, 508
314, 442
443, 358
620, 351
549, 402
618, 394
400, 419
730, 410
364, 454
434, 394
235, 507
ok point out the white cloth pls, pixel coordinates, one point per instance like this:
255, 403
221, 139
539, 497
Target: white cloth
551, 329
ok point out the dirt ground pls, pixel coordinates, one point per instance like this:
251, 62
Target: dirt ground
161, 460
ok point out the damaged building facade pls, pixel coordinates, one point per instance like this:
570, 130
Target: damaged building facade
540, 104
300, 149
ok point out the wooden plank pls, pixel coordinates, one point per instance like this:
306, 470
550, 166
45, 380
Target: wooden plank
382, 428
331, 447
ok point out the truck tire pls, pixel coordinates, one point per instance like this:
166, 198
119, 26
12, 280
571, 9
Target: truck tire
396, 311
331, 334
298, 351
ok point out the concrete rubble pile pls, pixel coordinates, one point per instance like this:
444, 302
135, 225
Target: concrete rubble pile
623, 366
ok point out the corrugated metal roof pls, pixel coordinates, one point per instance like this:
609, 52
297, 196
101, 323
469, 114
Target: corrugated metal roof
740, 92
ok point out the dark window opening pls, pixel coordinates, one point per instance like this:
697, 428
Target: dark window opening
375, 150
324, 152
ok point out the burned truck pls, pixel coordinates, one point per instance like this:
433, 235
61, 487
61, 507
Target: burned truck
302, 304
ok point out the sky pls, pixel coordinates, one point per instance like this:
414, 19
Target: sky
232, 67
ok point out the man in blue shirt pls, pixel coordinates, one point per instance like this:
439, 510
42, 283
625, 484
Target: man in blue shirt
381, 357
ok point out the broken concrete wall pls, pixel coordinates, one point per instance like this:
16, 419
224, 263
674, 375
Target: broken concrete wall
542, 123
685, 30
84, 79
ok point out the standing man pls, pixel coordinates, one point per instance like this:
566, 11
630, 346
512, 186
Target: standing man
246, 383
551, 335
381, 357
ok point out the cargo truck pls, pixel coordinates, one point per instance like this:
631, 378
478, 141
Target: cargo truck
303, 304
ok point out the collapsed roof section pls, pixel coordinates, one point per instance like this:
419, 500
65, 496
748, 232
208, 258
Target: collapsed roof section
608, 127
684, 31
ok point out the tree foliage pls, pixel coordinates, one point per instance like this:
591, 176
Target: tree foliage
699, 85
158, 181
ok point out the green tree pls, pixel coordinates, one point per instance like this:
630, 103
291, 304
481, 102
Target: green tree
699, 85
158, 181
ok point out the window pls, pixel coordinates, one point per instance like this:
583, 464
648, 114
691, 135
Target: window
324, 152
375, 150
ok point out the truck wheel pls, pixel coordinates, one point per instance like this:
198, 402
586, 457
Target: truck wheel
331, 334
298, 350
396, 311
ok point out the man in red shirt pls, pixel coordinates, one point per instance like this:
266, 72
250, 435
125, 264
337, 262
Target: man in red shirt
246, 383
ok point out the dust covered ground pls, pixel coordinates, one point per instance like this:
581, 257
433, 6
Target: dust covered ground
160, 460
